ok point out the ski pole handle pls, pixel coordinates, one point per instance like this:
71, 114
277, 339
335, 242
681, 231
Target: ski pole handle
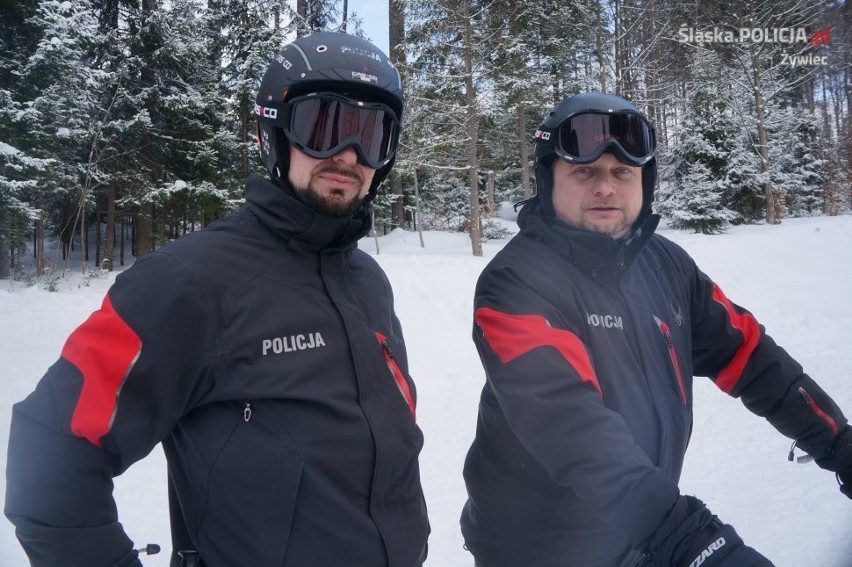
150, 549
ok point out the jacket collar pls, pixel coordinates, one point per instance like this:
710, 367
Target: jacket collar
280, 212
593, 253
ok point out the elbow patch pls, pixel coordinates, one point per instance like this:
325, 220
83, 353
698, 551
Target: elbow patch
511, 336
104, 349
747, 325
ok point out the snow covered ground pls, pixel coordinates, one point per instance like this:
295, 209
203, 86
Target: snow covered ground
796, 278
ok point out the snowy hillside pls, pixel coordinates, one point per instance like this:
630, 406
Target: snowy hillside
796, 278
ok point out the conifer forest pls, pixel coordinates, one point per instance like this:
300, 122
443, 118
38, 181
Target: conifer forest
125, 124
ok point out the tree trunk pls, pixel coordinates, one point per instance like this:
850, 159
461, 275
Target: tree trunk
38, 237
489, 194
84, 236
524, 151
398, 204
39, 247
144, 232
144, 217
847, 81
618, 37
97, 235
109, 244
599, 46
5, 261
769, 193
122, 242
417, 201
245, 123
5, 250
396, 41
373, 228
302, 20
472, 136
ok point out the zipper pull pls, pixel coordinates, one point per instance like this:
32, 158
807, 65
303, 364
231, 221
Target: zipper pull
664, 329
387, 348
247, 412
801, 460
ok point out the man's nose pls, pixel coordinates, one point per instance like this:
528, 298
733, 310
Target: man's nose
347, 156
605, 185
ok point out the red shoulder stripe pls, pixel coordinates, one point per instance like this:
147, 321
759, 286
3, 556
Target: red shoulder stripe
104, 349
746, 324
510, 336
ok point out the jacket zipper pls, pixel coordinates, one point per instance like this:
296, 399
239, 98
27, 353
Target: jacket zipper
667, 335
818, 410
247, 411
401, 382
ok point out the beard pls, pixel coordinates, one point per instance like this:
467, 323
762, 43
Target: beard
616, 230
335, 205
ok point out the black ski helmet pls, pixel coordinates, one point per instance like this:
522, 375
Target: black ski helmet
547, 139
322, 62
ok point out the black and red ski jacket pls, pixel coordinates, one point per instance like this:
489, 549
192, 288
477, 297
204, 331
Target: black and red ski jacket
589, 346
265, 354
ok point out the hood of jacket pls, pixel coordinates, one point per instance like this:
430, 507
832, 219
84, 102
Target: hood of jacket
282, 213
595, 254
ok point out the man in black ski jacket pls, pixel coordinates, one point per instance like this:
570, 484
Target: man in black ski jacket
590, 328
263, 352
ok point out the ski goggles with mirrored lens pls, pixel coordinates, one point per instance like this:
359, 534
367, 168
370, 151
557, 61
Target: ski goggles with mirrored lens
323, 124
583, 137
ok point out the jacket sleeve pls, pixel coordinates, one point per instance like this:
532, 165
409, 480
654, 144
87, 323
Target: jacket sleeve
733, 349
123, 379
543, 378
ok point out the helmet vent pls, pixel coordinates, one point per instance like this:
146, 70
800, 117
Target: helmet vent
322, 48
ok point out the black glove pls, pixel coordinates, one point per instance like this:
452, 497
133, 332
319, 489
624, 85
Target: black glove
845, 480
840, 460
690, 536
719, 544
843, 458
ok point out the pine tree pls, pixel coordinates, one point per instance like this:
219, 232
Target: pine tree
697, 164
539, 51
796, 156
446, 79
695, 201
60, 111
17, 171
744, 181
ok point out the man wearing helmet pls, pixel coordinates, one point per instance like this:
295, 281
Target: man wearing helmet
263, 352
590, 328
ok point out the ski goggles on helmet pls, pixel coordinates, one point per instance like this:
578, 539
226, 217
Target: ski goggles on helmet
583, 137
322, 124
